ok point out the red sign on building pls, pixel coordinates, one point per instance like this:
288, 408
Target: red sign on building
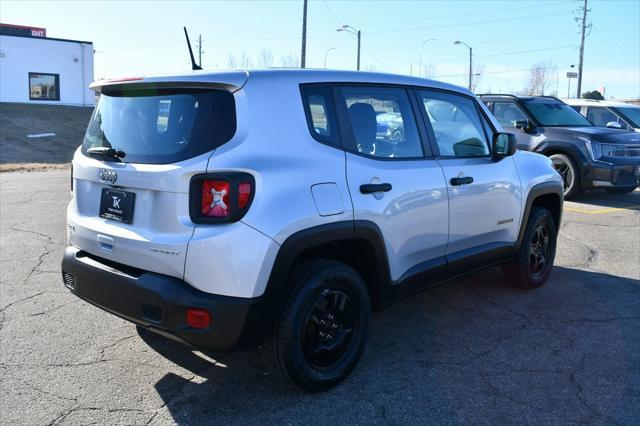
22, 31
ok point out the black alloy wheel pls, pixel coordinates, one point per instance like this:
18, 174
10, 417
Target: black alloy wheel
536, 254
539, 249
322, 330
329, 329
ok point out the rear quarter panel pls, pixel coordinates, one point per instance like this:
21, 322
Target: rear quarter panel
276, 147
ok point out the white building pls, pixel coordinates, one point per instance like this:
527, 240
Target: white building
38, 69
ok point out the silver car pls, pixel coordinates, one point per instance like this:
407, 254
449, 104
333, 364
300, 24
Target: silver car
201, 215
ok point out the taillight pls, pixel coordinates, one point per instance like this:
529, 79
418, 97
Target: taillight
220, 197
244, 194
215, 198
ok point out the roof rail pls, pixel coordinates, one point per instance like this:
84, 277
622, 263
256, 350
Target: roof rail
497, 94
546, 96
517, 97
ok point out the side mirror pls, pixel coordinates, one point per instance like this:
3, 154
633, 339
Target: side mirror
614, 125
504, 145
524, 125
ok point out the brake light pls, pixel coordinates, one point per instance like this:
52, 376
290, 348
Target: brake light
220, 197
122, 79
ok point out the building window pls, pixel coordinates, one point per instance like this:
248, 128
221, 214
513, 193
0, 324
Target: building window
44, 87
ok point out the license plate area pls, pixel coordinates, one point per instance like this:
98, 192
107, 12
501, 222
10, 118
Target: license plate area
117, 205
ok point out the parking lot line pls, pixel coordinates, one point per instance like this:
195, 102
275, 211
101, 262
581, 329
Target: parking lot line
601, 211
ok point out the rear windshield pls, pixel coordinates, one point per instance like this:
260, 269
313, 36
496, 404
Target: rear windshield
162, 126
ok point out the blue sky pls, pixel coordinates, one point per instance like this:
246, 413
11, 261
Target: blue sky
508, 37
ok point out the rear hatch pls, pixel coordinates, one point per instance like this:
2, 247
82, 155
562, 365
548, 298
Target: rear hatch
131, 175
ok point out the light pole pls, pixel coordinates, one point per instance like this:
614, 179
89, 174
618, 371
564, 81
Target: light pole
303, 53
421, 49
470, 59
327, 54
350, 29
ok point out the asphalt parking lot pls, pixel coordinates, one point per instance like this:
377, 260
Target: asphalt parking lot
470, 351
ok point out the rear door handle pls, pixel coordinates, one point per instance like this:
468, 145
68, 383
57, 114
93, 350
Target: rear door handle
370, 188
457, 181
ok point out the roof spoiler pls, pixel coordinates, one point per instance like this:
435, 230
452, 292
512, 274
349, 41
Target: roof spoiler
231, 81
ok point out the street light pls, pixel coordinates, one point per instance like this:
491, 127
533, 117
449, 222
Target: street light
350, 29
470, 59
327, 54
421, 49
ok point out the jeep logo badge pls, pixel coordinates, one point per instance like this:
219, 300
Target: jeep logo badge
108, 176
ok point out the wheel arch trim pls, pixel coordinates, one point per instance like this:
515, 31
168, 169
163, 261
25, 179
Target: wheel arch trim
544, 188
318, 236
549, 148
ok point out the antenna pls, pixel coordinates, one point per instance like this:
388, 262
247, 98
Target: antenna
194, 66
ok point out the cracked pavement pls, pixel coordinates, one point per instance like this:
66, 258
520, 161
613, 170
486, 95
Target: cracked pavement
470, 351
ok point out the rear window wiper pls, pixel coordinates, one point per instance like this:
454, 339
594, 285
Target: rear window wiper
104, 151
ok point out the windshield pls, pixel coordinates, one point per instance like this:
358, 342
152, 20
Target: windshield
631, 114
555, 114
160, 127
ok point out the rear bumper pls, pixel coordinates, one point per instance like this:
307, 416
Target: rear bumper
606, 175
159, 303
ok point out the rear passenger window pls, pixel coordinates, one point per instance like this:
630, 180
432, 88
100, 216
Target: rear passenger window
320, 116
507, 113
456, 123
382, 122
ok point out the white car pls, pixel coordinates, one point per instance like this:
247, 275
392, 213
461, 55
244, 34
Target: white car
202, 215
615, 115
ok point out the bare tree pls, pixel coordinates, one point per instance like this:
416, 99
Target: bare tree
245, 61
540, 78
428, 70
232, 61
290, 61
476, 77
266, 58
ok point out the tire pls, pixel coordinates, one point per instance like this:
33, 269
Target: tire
311, 345
568, 169
526, 271
621, 190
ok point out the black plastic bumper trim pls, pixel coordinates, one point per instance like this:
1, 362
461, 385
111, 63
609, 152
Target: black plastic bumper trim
159, 302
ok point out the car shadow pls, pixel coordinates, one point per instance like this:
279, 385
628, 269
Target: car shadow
471, 349
605, 199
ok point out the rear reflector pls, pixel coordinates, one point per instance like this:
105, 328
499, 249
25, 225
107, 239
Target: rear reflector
198, 318
215, 198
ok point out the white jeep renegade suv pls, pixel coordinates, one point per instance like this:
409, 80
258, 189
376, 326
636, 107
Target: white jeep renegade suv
268, 208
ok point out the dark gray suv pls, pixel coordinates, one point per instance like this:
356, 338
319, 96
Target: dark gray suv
586, 156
